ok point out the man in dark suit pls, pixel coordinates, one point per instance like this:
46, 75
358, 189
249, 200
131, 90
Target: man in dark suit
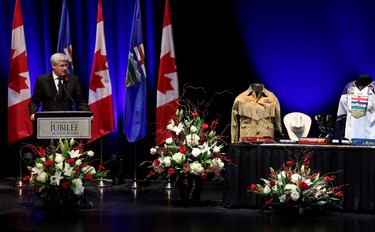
57, 90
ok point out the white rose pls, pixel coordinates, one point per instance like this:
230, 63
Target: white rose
169, 140
295, 177
165, 161
153, 151
294, 195
193, 129
192, 139
195, 152
178, 157
196, 168
218, 164
78, 162
216, 149
90, 153
39, 166
42, 177
59, 158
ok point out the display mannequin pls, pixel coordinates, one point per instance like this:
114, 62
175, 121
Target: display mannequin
257, 88
255, 113
363, 80
355, 114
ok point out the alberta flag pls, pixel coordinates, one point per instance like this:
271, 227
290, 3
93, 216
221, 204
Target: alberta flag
135, 116
64, 44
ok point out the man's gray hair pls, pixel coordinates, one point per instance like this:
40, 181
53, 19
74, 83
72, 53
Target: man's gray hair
55, 58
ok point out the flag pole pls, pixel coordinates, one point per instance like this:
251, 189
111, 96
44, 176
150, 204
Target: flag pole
134, 184
168, 185
19, 183
101, 182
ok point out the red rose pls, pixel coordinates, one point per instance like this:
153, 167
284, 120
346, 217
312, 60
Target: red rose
101, 167
303, 185
272, 182
253, 186
289, 163
329, 178
49, 163
88, 176
65, 185
340, 194
204, 126
156, 162
182, 149
26, 178
70, 161
204, 175
195, 114
170, 171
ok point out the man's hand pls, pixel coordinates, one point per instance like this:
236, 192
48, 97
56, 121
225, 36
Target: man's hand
32, 117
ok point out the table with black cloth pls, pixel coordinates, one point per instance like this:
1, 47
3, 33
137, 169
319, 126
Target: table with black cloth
252, 162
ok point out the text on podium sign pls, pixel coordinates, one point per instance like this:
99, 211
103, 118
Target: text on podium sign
63, 127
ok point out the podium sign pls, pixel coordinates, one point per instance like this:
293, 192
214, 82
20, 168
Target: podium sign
63, 124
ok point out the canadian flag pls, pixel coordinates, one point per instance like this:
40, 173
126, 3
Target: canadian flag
167, 92
100, 92
19, 94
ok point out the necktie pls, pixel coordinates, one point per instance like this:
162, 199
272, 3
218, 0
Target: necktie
60, 87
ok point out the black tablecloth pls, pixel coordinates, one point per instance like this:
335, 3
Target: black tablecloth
252, 162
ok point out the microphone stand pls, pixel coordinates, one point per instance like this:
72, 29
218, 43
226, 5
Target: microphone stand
70, 97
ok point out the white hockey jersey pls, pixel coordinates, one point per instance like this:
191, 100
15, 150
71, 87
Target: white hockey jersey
356, 112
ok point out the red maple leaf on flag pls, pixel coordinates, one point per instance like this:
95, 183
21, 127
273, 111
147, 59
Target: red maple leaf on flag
167, 65
18, 65
99, 65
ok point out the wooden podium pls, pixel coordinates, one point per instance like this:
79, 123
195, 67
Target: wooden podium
63, 124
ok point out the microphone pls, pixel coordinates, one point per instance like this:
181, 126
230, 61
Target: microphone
66, 91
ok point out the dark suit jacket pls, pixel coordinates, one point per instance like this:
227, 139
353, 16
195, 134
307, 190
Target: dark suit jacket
45, 92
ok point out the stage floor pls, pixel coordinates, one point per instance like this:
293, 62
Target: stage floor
150, 207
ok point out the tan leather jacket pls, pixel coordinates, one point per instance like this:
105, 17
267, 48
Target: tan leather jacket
255, 114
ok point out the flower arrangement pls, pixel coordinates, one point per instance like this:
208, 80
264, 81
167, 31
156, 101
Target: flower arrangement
295, 185
188, 149
60, 172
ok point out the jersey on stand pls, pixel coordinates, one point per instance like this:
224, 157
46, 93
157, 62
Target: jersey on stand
356, 112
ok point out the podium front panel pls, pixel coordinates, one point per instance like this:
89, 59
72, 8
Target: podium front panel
63, 125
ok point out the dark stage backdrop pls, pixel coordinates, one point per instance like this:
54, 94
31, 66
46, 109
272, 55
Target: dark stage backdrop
303, 51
